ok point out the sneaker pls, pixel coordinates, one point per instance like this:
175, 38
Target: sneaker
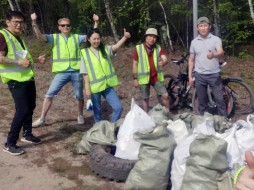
31, 139
39, 122
81, 119
13, 149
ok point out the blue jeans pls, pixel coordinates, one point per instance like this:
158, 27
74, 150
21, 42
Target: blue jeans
111, 97
62, 79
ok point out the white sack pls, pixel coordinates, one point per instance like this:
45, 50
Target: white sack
178, 128
234, 154
136, 120
181, 153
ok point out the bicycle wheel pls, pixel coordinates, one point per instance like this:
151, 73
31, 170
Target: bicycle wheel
173, 89
176, 89
212, 108
242, 95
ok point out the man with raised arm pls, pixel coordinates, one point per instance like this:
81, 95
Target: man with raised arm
66, 64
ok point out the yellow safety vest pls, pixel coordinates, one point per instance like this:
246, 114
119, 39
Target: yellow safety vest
66, 54
143, 64
100, 70
12, 71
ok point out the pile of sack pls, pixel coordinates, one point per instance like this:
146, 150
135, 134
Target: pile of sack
188, 152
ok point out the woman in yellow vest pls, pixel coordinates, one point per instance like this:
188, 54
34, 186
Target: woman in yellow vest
99, 73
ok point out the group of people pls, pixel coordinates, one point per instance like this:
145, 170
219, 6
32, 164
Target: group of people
93, 65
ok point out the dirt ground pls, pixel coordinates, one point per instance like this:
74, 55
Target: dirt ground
53, 164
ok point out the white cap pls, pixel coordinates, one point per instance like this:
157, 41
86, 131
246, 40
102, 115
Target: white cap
152, 31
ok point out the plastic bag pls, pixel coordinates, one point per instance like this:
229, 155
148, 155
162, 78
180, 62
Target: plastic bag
178, 128
203, 125
159, 113
136, 120
234, 154
245, 135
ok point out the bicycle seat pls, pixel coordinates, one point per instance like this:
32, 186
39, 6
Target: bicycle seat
174, 60
222, 64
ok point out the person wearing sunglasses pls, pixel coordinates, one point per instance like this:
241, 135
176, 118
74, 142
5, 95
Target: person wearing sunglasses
66, 64
16, 70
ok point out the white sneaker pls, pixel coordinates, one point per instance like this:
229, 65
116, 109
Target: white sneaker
39, 122
81, 119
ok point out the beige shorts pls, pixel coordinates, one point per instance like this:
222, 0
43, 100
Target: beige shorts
158, 86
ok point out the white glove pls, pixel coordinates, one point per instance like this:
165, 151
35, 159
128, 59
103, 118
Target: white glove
89, 105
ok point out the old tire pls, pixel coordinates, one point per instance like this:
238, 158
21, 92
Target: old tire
105, 164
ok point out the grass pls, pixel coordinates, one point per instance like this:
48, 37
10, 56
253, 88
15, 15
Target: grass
37, 47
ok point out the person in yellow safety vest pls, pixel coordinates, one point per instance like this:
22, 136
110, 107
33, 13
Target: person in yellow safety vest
99, 73
16, 70
66, 64
148, 60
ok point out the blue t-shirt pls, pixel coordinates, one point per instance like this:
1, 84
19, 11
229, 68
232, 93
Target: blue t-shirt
82, 38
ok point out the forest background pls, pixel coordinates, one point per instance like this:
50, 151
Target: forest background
54, 164
233, 20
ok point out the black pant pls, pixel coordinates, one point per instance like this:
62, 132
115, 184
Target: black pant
24, 96
214, 81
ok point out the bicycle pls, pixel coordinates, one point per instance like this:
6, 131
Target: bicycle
238, 95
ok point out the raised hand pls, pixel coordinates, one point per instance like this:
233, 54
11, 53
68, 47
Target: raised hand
126, 34
95, 18
33, 16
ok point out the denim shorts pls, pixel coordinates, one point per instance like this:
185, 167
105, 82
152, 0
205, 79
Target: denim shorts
158, 86
62, 79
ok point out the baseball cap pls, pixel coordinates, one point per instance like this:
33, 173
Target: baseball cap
152, 31
203, 20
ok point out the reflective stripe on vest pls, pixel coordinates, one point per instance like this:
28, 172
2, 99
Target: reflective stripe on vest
144, 67
15, 72
99, 80
63, 60
14, 68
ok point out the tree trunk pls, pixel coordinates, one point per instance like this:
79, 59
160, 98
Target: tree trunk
251, 10
14, 5
41, 16
17, 4
216, 16
167, 27
11, 5
110, 19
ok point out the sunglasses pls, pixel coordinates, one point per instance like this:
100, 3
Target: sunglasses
65, 25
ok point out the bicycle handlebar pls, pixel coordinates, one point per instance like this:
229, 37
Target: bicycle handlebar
184, 58
180, 61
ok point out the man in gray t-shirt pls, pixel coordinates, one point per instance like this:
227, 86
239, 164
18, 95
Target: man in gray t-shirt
205, 51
